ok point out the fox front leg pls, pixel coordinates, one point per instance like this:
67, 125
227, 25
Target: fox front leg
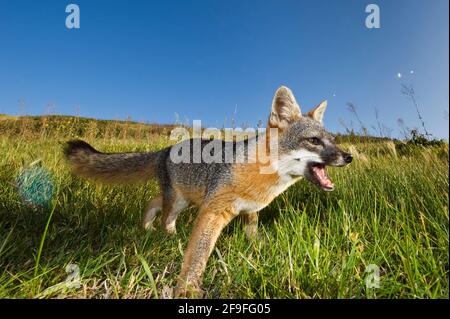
207, 228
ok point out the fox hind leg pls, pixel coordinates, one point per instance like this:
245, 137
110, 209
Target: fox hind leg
154, 207
173, 204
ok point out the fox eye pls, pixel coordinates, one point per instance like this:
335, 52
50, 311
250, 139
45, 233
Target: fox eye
315, 140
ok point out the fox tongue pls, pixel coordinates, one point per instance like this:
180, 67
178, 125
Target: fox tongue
322, 176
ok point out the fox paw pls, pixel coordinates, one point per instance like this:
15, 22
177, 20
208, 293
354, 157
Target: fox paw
170, 230
188, 292
150, 217
148, 225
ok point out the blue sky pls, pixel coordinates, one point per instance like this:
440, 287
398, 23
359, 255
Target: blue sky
214, 60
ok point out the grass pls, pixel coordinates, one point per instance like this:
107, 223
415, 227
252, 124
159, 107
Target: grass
388, 210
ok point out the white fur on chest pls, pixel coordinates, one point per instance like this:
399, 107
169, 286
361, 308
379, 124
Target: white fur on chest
291, 168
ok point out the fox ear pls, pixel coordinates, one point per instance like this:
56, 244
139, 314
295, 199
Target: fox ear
317, 112
285, 109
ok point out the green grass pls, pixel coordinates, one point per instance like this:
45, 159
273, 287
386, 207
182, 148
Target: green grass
387, 210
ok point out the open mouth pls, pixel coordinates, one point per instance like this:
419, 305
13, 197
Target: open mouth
319, 176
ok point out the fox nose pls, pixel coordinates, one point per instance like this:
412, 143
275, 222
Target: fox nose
348, 158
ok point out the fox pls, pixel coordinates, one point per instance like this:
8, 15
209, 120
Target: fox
221, 191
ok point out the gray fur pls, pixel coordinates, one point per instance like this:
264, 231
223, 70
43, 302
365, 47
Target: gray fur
208, 175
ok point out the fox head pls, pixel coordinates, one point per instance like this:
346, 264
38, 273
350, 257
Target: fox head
305, 148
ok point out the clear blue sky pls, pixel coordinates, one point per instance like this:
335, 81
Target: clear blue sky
207, 59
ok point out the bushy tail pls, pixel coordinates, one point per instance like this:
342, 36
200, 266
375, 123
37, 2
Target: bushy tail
87, 162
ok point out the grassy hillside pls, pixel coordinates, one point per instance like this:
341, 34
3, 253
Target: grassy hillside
389, 212
57, 126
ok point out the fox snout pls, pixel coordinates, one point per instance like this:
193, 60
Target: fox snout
345, 158
348, 158
336, 157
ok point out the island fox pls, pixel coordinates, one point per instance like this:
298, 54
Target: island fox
221, 190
